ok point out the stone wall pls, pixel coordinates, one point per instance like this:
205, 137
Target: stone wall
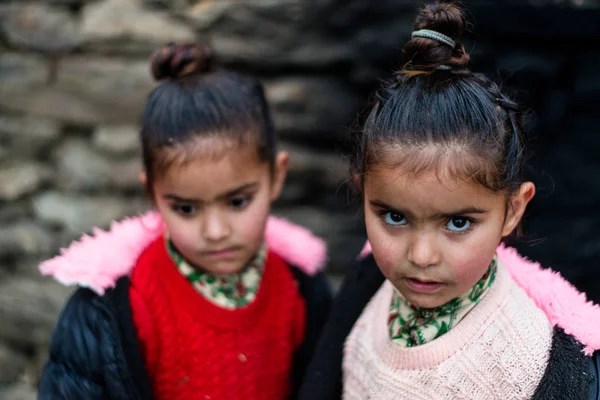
74, 75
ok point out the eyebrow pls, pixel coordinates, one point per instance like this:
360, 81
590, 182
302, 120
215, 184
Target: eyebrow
441, 215
233, 192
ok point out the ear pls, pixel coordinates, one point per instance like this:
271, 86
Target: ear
282, 162
143, 178
516, 207
357, 181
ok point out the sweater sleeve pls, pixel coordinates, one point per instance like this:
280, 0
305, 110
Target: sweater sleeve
75, 366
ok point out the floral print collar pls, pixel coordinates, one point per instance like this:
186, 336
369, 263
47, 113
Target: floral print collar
411, 326
229, 291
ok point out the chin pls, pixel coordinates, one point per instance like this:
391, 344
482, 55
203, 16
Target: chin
424, 300
219, 267
226, 268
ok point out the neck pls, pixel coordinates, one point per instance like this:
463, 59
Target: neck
410, 325
232, 290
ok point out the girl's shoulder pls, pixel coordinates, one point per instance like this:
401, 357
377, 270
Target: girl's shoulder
92, 349
566, 307
98, 260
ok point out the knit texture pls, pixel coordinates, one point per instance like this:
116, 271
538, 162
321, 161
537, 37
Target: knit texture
195, 349
498, 351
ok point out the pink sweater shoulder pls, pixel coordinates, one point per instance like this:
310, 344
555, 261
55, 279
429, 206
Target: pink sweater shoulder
562, 303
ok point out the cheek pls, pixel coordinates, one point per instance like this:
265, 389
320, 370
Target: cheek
470, 260
251, 222
184, 234
387, 249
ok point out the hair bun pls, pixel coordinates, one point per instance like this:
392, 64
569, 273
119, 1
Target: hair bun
177, 60
427, 54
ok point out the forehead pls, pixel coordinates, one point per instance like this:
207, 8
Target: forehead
209, 177
428, 192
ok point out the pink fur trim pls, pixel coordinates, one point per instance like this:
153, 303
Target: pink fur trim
296, 245
97, 261
366, 250
562, 303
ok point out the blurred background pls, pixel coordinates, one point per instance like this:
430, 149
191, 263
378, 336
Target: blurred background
74, 76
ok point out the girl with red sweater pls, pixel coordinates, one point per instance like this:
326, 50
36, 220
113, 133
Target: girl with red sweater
208, 297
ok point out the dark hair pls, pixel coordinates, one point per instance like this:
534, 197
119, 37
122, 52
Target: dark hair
437, 106
195, 101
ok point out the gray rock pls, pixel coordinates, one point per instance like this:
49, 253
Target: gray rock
314, 35
311, 107
117, 139
314, 176
19, 180
12, 364
27, 136
289, 34
26, 266
46, 101
30, 127
67, 3
29, 309
125, 26
172, 5
80, 167
19, 391
20, 72
114, 89
39, 27
87, 90
80, 213
24, 89
14, 211
25, 238
320, 167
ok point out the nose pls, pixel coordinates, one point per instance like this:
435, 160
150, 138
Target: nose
215, 227
423, 251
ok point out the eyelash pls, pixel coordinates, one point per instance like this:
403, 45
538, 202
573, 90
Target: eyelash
382, 213
178, 208
244, 199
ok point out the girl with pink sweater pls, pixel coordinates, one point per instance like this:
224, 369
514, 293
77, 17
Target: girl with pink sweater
438, 307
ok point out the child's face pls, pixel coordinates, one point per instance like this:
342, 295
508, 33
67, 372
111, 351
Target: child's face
215, 209
434, 237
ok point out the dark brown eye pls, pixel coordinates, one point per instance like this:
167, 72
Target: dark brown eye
239, 202
184, 209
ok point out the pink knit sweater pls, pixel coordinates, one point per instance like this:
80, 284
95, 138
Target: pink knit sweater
499, 350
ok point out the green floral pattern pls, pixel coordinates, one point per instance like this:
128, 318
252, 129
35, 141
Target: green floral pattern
411, 326
228, 290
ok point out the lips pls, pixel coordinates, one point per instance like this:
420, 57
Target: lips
221, 253
423, 286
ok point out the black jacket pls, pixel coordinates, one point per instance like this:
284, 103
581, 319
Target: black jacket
94, 352
570, 375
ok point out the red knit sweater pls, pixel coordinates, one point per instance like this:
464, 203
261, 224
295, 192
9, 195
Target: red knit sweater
197, 350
